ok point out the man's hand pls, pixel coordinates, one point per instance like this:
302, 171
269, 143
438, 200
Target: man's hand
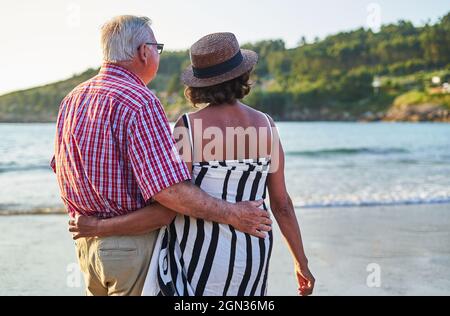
247, 217
83, 226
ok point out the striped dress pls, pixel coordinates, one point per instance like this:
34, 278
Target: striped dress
194, 257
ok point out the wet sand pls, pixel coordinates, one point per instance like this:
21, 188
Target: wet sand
409, 244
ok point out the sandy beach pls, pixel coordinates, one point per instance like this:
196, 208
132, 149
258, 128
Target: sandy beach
409, 244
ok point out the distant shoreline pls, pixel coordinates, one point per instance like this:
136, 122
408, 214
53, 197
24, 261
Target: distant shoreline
280, 121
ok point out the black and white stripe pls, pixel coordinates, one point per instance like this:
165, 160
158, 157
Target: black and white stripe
200, 258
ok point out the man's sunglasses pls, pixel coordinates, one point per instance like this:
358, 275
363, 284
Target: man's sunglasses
159, 47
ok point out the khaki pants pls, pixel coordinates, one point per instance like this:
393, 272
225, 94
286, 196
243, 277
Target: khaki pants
115, 266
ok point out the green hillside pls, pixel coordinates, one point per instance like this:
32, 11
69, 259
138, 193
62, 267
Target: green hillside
330, 79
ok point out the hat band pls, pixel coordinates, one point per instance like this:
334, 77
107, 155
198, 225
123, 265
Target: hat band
219, 69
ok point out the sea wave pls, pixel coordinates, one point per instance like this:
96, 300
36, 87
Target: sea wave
34, 211
311, 205
14, 167
348, 152
372, 203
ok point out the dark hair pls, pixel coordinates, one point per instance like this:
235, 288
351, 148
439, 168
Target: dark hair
227, 92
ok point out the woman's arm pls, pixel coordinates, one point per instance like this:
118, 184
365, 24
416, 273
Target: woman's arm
283, 210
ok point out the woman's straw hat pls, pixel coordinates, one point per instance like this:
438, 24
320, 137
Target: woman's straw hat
217, 58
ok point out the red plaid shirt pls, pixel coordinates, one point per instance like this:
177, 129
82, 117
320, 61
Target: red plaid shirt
113, 149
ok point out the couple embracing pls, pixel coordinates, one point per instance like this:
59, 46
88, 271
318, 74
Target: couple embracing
161, 213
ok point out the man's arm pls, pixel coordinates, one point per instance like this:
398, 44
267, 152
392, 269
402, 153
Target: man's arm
189, 200
186, 198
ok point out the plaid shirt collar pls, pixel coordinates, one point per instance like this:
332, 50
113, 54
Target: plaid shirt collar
115, 70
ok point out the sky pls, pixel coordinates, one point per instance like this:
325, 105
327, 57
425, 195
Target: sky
48, 40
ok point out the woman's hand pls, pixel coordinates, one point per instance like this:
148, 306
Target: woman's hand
83, 226
305, 280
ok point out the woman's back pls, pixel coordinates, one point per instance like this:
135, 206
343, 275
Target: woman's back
213, 259
235, 168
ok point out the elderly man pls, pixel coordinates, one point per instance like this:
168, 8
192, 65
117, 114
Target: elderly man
115, 154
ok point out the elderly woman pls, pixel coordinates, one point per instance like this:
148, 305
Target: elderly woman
204, 258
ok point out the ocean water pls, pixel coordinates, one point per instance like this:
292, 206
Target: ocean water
327, 165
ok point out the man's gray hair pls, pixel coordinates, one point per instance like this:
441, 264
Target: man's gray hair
122, 35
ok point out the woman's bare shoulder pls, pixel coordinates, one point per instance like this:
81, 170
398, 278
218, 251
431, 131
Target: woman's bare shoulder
259, 114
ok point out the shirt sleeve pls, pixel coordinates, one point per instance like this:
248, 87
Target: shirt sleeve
53, 164
153, 155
